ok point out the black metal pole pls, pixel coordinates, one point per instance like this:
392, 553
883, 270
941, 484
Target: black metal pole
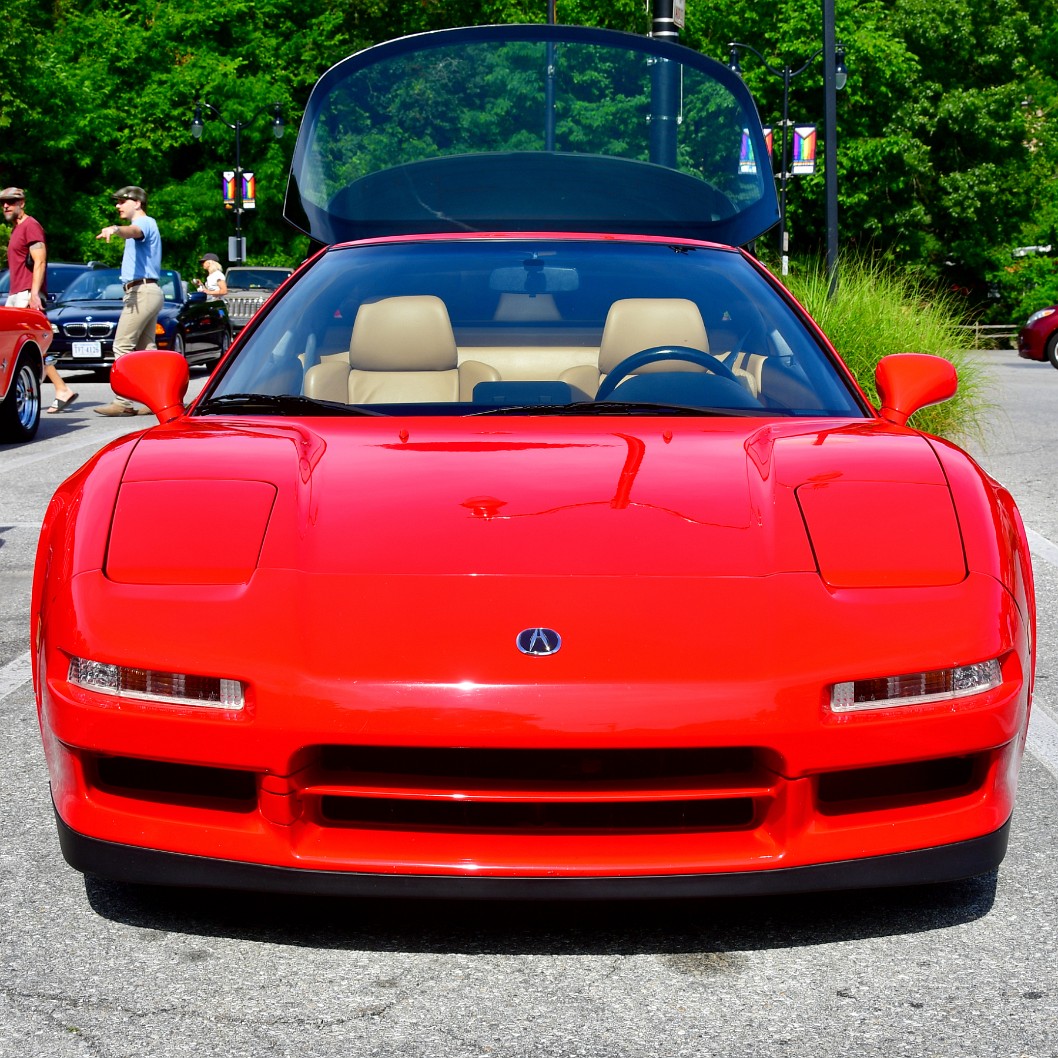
664, 90
830, 143
549, 86
784, 240
238, 256
239, 202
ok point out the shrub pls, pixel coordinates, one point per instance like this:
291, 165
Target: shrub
877, 310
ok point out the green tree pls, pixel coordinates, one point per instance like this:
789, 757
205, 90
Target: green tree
947, 155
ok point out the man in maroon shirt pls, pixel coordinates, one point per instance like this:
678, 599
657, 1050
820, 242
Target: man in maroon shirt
27, 261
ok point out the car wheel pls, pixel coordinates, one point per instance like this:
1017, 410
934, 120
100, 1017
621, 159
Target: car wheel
1052, 349
225, 341
20, 410
178, 344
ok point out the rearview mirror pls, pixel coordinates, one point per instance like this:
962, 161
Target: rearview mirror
534, 277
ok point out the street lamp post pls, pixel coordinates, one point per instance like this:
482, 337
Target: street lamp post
278, 127
788, 73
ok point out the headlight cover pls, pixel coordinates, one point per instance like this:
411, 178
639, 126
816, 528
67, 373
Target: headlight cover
1040, 314
916, 688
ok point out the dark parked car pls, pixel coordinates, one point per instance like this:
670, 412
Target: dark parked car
84, 319
60, 275
1038, 339
249, 289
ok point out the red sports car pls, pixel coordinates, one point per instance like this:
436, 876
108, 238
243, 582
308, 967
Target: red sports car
25, 335
1038, 339
532, 540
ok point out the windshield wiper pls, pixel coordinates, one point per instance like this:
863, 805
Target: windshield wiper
277, 404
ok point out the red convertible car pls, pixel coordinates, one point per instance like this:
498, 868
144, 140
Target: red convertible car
25, 336
532, 541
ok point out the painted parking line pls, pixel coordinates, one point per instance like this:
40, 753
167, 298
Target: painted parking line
15, 673
1041, 547
41, 453
1043, 740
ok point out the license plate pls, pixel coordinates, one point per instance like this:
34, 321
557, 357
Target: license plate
88, 350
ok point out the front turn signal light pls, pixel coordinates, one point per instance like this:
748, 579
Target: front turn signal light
916, 688
168, 688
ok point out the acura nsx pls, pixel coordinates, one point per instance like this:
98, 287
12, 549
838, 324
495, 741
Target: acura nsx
532, 540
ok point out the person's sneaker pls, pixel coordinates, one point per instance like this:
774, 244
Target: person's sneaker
144, 411
115, 407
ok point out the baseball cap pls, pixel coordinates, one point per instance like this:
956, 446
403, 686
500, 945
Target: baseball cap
13, 193
208, 257
131, 191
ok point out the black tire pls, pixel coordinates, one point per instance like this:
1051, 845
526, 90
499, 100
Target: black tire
225, 341
178, 345
1052, 349
20, 409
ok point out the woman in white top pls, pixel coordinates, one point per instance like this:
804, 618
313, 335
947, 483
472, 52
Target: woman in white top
215, 284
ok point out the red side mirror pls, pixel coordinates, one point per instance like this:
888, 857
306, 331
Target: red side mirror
909, 381
154, 377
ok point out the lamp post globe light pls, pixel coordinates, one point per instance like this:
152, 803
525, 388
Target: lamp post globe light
787, 72
237, 248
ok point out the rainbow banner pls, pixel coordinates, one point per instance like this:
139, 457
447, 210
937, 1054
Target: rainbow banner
249, 191
227, 188
804, 150
746, 162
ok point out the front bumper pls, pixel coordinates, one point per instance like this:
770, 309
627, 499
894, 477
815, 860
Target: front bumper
127, 863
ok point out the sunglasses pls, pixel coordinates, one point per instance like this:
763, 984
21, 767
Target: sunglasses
10, 201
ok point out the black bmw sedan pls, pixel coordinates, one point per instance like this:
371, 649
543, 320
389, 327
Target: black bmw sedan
84, 319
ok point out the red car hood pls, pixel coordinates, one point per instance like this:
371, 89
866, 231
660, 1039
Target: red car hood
209, 501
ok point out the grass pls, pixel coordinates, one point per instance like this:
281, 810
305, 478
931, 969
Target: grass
876, 311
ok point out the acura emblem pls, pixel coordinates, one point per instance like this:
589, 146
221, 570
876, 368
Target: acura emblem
539, 642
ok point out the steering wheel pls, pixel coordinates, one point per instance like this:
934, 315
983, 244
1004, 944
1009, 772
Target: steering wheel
662, 352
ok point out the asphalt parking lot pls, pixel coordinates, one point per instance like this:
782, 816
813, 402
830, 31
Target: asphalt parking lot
96, 969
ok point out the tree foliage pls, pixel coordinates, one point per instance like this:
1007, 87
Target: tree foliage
947, 154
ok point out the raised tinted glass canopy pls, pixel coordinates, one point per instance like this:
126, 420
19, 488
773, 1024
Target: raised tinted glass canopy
530, 128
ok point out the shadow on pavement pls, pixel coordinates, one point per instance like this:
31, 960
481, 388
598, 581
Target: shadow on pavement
680, 928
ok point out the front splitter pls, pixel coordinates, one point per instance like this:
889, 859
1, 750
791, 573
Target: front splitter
133, 865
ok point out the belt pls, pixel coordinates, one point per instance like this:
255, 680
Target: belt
137, 282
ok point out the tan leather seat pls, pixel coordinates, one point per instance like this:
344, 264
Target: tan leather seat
402, 350
635, 324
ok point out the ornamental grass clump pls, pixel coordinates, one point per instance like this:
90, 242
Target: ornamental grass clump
876, 311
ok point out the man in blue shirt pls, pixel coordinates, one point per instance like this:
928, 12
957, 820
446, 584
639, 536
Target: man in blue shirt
141, 268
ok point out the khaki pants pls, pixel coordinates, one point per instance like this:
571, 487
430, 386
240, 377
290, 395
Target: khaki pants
135, 329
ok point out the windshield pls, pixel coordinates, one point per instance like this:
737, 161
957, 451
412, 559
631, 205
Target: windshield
104, 284
530, 128
257, 278
479, 326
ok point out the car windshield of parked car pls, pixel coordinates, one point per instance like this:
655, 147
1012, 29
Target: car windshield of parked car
104, 284
256, 278
556, 326
60, 276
